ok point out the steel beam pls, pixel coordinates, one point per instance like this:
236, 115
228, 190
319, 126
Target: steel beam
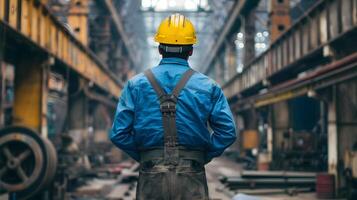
326, 76
32, 21
233, 22
30, 103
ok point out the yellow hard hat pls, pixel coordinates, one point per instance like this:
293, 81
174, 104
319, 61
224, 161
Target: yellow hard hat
177, 30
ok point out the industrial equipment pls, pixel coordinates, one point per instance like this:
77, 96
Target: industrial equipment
28, 161
300, 151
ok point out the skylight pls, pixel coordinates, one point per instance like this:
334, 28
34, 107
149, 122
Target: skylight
175, 5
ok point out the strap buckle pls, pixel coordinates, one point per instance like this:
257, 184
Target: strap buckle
171, 142
168, 107
168, 104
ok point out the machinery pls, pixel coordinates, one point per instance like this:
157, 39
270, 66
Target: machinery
51, 86
301, 151
28, 161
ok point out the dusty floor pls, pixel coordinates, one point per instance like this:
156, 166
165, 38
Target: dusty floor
222, 166
111, 190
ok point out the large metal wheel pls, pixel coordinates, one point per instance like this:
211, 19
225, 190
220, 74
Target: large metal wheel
27, 161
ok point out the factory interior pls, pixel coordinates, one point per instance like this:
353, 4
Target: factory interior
288, 69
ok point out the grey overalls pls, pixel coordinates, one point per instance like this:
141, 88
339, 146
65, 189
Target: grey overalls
171, 173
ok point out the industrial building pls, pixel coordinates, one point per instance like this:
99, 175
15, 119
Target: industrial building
288, 69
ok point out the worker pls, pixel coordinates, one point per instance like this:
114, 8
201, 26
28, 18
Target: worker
162, 119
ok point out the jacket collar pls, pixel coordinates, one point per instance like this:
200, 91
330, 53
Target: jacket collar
178, 61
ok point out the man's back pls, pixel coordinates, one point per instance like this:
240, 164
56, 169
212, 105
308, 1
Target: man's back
162, 120
138, 124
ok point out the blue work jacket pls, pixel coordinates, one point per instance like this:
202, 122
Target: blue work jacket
138, 125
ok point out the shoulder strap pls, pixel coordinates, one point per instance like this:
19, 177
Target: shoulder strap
181, 84
159, 91
185, 77
168, 111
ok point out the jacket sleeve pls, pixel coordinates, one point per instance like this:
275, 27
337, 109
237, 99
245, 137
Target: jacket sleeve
222, 123
122, 130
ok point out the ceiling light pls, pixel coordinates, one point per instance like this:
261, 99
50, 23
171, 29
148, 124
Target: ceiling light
240, 35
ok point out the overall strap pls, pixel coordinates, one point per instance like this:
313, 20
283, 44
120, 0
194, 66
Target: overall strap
181, 84
168, 110
150, 76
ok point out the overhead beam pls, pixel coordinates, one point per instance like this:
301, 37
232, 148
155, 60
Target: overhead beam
330, 74
240, 7
32, 21
118, 22
309, 37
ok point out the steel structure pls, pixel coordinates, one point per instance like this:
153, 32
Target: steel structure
312, 61
311, 38
119, 27
231, 25
31, 21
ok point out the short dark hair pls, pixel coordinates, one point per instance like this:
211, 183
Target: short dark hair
186, 51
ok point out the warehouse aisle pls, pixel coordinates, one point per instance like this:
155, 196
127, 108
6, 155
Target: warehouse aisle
282, 73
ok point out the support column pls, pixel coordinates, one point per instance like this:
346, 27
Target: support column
250, 137
231, 57
78, 115
252, 119
332, 137
239, 127
280, 21
218, 69
101, 122
2, 74
116, 57
249, 36
280, 125
270, 143
346, 109
30, 103
2, 92
101, 37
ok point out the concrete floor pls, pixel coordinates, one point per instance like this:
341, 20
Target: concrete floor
222, 166
111, 190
